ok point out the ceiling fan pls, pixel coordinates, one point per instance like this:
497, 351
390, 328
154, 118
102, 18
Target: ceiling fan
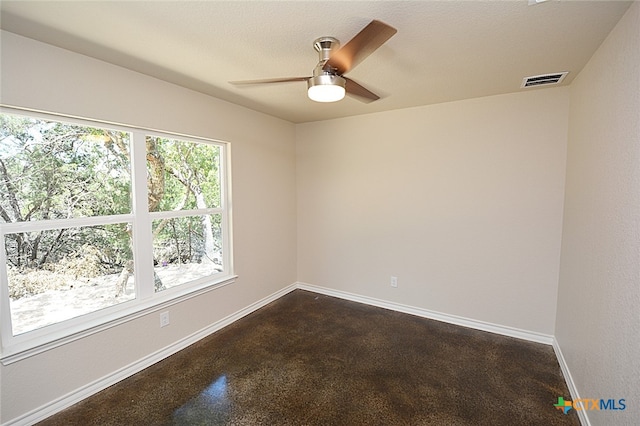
328, 83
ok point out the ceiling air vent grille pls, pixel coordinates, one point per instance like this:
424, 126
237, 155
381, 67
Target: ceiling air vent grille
544, 80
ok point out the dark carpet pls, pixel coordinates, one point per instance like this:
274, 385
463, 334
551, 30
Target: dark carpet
310, 359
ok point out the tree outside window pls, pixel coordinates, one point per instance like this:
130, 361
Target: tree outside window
67, 217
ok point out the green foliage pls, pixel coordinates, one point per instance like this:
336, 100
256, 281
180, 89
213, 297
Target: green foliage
182, 240
52, 170
189, 168
191, 176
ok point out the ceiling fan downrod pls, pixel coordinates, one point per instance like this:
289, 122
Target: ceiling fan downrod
326, 85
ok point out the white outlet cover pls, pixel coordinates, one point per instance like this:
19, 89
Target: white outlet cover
164, 319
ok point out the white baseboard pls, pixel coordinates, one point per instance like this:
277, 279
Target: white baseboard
78, 395
86, 391
573, 390
426, 313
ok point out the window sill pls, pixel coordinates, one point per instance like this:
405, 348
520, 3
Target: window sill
35, 346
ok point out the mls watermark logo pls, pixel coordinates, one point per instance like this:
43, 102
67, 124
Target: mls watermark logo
563, 405
587, 404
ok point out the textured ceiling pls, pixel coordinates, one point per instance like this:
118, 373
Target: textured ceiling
443, 51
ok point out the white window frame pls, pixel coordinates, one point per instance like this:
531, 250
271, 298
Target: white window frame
15, 348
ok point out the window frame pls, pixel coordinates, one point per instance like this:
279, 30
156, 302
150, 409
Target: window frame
146, 301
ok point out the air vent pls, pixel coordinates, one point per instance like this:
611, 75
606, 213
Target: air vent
544, 80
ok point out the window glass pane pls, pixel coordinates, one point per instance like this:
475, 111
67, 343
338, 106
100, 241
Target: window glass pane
186, 248
53, 170
182, 175
56, 175
59, 274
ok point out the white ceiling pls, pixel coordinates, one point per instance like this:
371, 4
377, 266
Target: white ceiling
443, 51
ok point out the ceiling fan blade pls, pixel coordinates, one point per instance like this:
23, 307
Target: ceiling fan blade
359, 47
354, 89
270, 80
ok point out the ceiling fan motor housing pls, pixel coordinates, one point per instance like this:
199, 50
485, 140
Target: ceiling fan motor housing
326, 79
326, 85
325, 46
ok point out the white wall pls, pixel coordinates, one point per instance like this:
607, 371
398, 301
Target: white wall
461, 201
598, 319
40, 76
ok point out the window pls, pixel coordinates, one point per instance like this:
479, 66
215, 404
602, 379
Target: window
101, 222
183, 181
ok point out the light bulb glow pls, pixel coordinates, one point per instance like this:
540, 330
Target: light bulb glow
326, 93
326, 88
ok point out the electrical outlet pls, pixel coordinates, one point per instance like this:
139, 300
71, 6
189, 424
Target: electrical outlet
394, 281
164, 319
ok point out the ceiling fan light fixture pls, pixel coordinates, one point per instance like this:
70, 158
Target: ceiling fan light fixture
326, 88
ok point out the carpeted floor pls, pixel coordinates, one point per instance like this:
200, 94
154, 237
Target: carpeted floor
309, 359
